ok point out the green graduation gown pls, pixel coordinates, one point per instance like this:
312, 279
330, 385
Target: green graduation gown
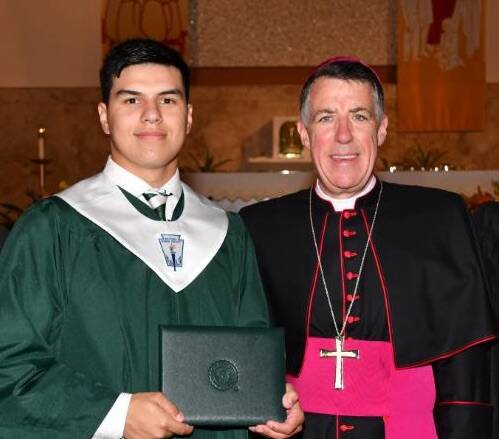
79, 318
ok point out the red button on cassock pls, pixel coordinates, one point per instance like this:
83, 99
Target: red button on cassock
349, 254
353, 319
351, 275
348, 233
350, 297
349, 214
346, 427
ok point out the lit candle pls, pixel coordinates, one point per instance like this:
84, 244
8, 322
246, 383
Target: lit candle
41, 143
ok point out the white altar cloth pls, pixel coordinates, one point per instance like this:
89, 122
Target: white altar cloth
241, 188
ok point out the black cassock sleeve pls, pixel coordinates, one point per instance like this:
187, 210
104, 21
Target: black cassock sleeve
463, 408
486, 219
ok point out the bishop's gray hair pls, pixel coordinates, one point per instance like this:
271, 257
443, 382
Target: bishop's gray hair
346, 69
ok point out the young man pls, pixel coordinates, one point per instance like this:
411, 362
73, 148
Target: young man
377, 285
88, 276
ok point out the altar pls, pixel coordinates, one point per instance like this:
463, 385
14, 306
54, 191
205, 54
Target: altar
237, 189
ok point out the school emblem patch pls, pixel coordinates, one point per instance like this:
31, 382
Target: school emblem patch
173, 250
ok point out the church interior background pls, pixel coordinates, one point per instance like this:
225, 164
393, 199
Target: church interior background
249, 59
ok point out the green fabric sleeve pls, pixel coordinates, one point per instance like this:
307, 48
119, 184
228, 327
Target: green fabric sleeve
39, 396
253, 309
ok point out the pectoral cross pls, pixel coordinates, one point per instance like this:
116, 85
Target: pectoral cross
339, 353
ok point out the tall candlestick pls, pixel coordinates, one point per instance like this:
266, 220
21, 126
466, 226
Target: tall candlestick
41, 158
41, 143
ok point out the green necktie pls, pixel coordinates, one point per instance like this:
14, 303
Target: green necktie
157, 201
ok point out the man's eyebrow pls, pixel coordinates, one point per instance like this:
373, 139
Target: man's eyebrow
357, 109
324, 110
173, 91
128, 92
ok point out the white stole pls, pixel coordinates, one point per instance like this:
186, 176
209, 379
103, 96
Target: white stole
202, 226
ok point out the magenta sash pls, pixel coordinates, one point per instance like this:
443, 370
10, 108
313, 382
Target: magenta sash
405, 398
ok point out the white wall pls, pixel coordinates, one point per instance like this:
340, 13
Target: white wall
56, 43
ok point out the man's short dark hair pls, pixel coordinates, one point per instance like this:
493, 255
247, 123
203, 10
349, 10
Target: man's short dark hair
347, 69
140, 51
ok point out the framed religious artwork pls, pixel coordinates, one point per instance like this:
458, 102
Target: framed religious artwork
161, 20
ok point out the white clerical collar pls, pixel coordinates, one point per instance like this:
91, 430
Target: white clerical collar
135, 185
340, 204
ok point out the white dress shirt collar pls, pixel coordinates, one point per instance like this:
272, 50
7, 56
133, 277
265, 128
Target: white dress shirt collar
340, 204
135, 185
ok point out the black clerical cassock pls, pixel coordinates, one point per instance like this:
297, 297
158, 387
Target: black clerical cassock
420, 318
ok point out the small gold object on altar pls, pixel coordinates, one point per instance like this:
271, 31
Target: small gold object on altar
290, 145
286, 141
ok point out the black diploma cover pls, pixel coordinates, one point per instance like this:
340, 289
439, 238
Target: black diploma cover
224, 376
